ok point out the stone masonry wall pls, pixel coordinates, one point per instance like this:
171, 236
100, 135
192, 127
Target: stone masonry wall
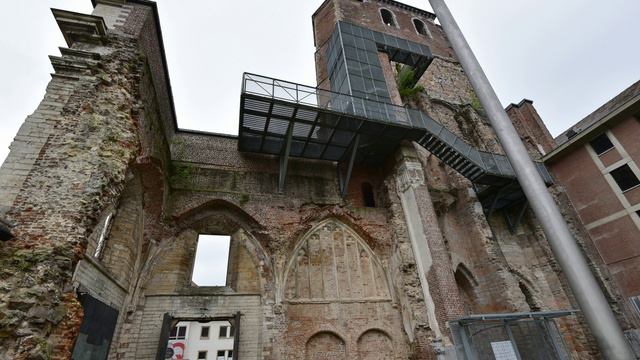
79, 170
67, 168
209, 173
213, 186
313, 274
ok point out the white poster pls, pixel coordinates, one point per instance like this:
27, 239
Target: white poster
503, 350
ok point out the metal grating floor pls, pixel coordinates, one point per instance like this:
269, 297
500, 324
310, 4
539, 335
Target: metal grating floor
316, 132
291, 120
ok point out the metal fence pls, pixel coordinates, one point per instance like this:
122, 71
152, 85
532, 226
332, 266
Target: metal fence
523, 336
327, 100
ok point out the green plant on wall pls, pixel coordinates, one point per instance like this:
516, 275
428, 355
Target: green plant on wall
407, 86
475, 103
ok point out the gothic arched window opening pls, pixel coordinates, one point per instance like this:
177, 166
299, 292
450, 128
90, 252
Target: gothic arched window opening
387, 17
421, 28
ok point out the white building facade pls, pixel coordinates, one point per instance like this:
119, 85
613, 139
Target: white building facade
191, 340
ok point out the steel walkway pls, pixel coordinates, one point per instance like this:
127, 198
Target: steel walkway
291, 120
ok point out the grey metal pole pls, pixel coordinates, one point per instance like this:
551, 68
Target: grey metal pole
589, 296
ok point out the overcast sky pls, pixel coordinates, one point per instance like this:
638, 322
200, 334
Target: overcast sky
568, 56
212, 256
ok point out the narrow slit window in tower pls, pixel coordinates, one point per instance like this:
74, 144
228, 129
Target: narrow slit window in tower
368, 198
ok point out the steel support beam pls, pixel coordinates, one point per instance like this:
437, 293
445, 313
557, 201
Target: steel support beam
512, 339
284, 159
588, 294
344, 182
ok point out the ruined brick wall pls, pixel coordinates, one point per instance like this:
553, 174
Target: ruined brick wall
313, 274
79, 170
532, 130
211, 176
497, 269
504, 270
67, 168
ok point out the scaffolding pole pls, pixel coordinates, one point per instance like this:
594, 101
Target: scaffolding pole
589, 296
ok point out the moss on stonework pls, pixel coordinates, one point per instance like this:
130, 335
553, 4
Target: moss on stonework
184, 171
407, 87
94, 141
38, 347
244, 198
475, 104
23, 260
177, 141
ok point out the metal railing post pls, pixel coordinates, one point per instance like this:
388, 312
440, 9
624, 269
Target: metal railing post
588, 294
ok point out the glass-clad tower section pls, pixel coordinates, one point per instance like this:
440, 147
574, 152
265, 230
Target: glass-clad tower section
354, 67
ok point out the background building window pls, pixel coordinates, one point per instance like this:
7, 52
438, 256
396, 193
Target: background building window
387, 17
601, 144
202, 355
178, 333
204, 332
421, 28
225, 355
212, 258
625, 177
226, 331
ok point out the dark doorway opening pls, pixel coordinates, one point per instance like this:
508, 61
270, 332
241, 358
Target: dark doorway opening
96, 331
368, 198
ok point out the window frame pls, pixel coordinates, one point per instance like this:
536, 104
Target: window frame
226, 354
424, 25
177, 335
637, 179
635, 303
393, 18
202, 329
606, 136
196, 265
227, 332
201, 352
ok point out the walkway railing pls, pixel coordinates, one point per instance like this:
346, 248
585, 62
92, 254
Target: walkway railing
469, 161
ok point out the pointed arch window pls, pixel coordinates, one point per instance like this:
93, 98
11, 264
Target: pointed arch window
332, 262
421, 27
388, 18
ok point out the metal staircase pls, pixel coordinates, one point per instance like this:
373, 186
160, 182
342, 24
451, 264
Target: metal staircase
291, 120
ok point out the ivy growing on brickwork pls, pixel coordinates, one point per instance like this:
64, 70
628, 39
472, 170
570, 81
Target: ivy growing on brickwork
407, 86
